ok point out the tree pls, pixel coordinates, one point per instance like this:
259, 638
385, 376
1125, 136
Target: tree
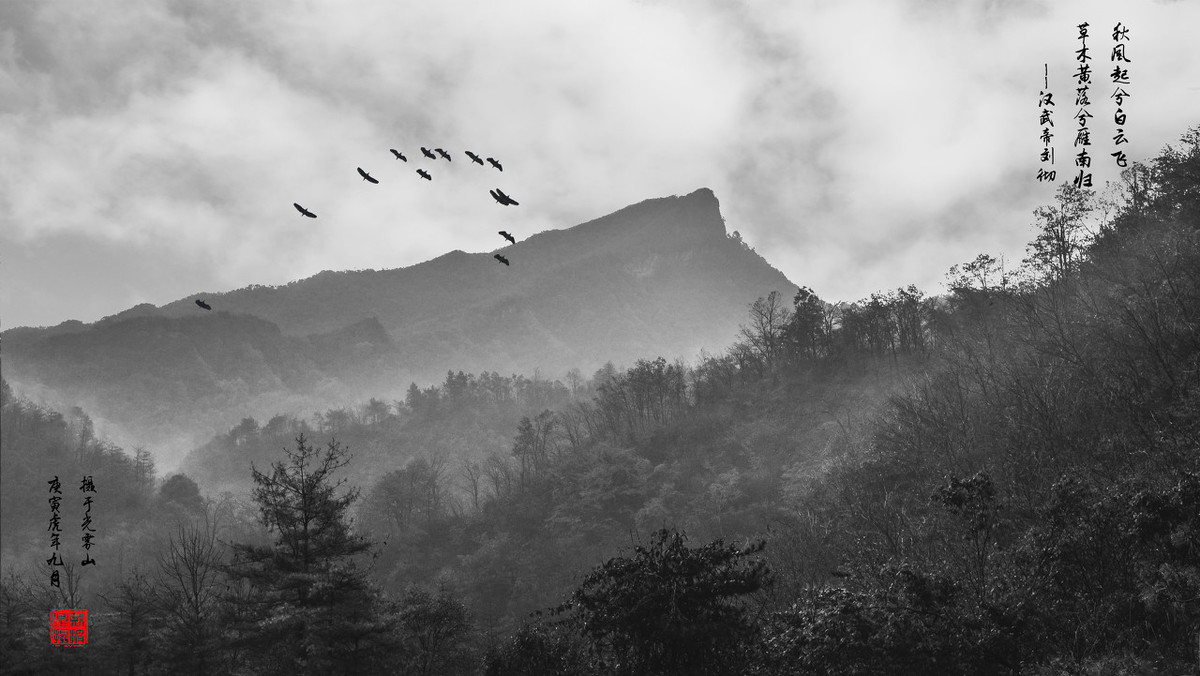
539, 648
985, 274
670, 609
189, 570
143, 473
408, 497
435, 629
499, 473
23, 611
1061, 232
245, 432
183, 491
805, 330
973, 502
280, 425
604, 374
472, 472
531, 447
311, 610
135, 619
1177, 179
909, 308
376, 411
764, 334
338, 420
574, 381
905, 621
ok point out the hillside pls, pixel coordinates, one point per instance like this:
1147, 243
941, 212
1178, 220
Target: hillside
659, 277
1002, 480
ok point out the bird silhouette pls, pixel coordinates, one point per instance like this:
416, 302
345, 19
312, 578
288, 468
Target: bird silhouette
443, 153
426, 153
498, 257
366, 176
495, 164
500, 197
398, 155
507, 236
304, 211
425, 175
204, 305
474, 158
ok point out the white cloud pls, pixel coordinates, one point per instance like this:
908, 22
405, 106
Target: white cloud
859, 146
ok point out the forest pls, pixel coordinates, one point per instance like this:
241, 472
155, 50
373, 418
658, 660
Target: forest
1000, 479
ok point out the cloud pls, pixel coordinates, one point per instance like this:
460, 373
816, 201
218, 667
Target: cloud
858, 146
914, 130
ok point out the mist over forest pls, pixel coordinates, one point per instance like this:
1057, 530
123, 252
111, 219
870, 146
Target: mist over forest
1002, 478
662, 277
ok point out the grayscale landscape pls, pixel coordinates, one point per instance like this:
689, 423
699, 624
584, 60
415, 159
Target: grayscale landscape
636, 338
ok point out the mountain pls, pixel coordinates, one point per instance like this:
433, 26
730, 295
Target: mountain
661, 277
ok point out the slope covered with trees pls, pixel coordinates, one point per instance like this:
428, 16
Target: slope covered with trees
1027, 503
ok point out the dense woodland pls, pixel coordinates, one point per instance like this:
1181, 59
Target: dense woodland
1003, 479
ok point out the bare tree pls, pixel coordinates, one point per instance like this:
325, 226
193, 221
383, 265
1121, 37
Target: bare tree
188, 570
143, 469
499, 473
764, 334
472, 472
69, 594
1062, 232
574, 381
572, 421
135, 609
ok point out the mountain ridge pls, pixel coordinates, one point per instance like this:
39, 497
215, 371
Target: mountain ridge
615, 231
656, 278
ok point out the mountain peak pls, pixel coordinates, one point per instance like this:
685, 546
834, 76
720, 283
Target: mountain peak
657, 278
675, 222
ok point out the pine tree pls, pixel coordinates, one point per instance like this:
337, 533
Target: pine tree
305, 606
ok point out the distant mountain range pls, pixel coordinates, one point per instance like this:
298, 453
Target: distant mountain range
661, 277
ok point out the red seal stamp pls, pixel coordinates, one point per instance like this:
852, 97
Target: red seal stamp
68, 627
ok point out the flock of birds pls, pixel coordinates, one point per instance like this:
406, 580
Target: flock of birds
497, 194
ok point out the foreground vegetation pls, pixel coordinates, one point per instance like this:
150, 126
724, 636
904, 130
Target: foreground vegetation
1001, 480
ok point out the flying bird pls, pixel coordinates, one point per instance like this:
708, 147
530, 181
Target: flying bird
474, 158
304, 211
495, 164
498, 257
425, 175
500, 197
507, 236
204, 305
366, 176
398, 155
443, 153
426, 153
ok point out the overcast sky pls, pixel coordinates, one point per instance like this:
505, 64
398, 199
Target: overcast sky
151, 150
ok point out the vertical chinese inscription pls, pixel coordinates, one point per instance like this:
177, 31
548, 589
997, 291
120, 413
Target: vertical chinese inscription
86, 486
1083, 139
55, 561
1045, 101
1120, 78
